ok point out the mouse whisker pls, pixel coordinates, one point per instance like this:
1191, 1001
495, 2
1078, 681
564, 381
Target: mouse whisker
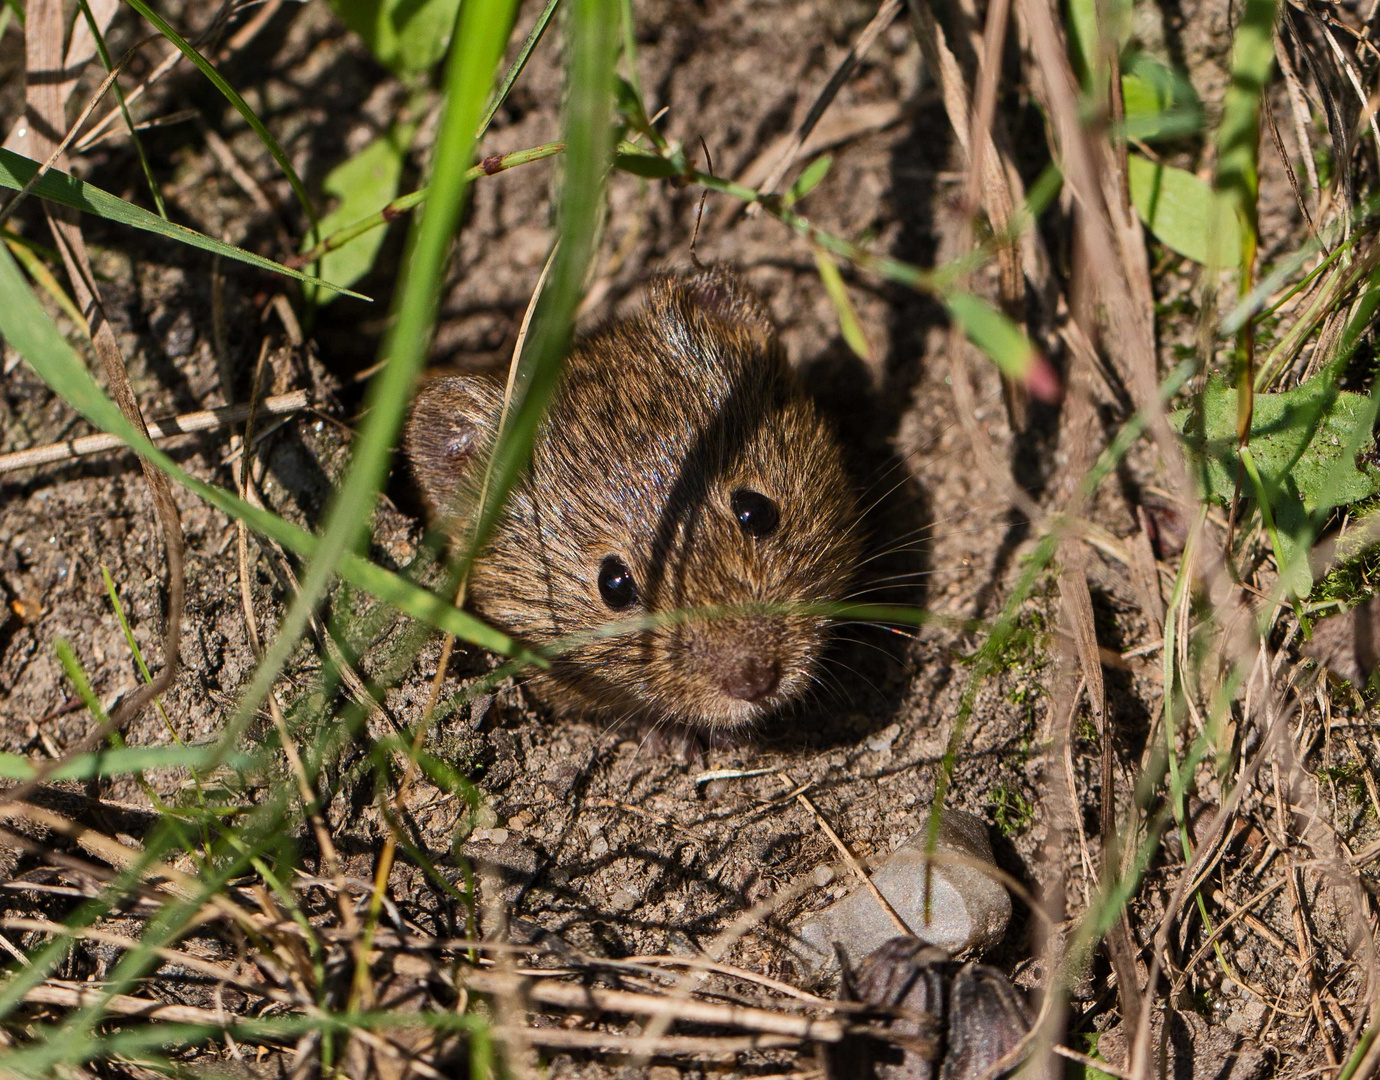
896, 631
858, 675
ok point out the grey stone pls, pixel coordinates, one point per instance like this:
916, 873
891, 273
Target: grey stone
968, 909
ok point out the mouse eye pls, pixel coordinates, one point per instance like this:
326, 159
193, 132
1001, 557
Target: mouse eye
616, 585
756, 513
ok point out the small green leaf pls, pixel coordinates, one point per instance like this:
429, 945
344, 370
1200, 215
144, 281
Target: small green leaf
404, 35
808, 180
1159, 103
16, 170
631, 109
364, 184
76, 674
838, 292
994, 334
1084, 32
1183, 212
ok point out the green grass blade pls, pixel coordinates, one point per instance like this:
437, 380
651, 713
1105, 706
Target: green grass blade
124, 110
592, 49
500, 95
120, 761
16, 170
479, 39
77, 676
849, 326
27, 327
231, 95
1238, 173
992, 332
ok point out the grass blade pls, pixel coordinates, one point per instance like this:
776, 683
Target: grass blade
849, 326
120, 761
16, 170
480, 37
27, 327
231, 95
99, 38
500, 95
592, 50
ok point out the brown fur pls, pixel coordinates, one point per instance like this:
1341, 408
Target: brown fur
658, 419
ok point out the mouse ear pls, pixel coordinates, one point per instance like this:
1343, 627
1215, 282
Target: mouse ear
449, 431
720, 293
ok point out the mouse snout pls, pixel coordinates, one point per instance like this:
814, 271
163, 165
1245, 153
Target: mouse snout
750, 678
740, 662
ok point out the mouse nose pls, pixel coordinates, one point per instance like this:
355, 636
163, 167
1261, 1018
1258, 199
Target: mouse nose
750, 679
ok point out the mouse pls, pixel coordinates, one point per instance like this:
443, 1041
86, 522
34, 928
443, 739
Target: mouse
681, 481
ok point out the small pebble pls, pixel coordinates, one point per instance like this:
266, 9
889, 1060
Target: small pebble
823, 875
884, 738
623, 901
492, 836
485, 818
968, 909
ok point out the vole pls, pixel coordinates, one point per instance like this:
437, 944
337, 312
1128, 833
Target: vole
679, 467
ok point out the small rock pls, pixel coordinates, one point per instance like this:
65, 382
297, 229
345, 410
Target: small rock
884, 738
598, 847
623, 901
823, 875
492, 836
485, 818
968, 909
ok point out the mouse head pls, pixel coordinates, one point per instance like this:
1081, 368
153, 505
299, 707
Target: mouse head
680, 480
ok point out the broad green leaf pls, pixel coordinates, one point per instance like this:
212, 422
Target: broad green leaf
404, 35
843, 304
1160, 103
16, 170
1304, 445
364, 184
1298, 439
994, 334
1183, 212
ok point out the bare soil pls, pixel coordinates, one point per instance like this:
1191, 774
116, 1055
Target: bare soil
590, 837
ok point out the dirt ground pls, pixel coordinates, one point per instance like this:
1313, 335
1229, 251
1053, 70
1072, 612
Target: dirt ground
590, 837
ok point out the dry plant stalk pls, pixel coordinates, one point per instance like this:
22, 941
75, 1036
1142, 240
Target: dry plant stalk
186, 424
